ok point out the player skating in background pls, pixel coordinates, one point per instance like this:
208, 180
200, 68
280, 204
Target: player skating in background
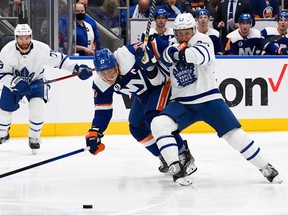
120, 73
21, 66
196, 97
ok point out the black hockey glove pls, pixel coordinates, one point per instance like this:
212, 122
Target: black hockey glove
93, 140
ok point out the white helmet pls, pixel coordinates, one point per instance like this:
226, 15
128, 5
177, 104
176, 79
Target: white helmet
22, 29
184, 21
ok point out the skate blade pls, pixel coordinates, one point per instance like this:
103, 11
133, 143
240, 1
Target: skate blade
191, 169
277, 180
183, 181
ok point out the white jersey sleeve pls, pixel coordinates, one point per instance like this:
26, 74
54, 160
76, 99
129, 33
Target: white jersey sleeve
192, 78
29, 66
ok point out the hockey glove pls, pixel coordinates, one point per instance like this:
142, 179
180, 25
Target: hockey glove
21, 86
93, 140
145, 58
167, 57
84, 71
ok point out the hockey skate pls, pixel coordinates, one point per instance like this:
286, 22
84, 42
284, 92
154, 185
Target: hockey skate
271, 174
4, 139
187, 160
163, 168
179, 174
34, 144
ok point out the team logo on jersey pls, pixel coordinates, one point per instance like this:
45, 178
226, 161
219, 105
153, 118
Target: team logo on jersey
184, 74
117, 87
25, 74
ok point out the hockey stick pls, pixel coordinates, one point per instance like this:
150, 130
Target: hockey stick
44, 162
146, 38
268, 40
145, 58
55, 80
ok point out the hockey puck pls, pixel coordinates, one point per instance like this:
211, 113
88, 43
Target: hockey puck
87, 206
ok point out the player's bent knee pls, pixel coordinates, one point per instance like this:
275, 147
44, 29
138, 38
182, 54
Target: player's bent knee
237, 138
37, 108
163, 125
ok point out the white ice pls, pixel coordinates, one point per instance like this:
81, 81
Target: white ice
124, 179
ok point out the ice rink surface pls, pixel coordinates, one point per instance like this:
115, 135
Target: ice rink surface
124, 179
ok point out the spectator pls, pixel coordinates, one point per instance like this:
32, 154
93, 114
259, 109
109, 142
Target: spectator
248, 41
109, 14
230, 12
265, 8
191, 6
140, 10
278, 35
202, 17
172, 9
84, 33
92, 22
214, 4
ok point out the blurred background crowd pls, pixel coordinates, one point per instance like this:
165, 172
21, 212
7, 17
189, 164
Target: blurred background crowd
105, 23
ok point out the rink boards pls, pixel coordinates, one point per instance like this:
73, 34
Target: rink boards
254, 87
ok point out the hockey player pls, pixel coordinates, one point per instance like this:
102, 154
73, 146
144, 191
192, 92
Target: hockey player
202, 17
196, 97
278, 35
160, 18
21, 66
248, 41
120, 73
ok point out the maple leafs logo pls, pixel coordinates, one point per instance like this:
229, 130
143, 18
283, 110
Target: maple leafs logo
25, 74
184, 73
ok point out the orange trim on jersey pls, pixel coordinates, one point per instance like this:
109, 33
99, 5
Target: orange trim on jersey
146, 139
104, 105
164, 96
227, 47
197, 4
154, 48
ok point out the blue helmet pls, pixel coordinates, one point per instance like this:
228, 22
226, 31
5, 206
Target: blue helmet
103, 59
282, 15
160, 12
245, 18
202, 12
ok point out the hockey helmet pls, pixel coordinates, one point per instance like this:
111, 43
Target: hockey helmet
103, 60
22, 30
282, 15
245, 18
202, 12
184, 21
160, 12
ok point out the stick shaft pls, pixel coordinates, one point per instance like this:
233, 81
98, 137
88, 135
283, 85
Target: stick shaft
55, 80
149, 22
43, 162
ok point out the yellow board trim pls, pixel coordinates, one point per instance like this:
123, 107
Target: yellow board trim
80, 129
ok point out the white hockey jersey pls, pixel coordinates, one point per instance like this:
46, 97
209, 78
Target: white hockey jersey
193, 81
30, 66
